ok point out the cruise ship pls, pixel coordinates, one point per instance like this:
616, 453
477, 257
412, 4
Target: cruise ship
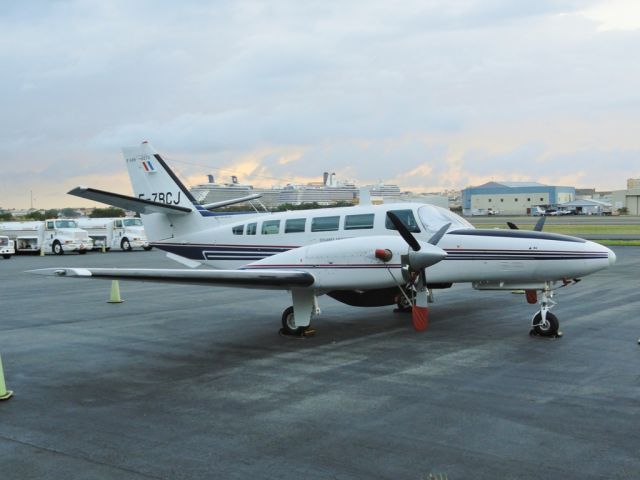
212, 192
384, 190
326, 192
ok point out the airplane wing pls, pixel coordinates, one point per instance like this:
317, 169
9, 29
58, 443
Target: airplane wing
134, 204
262, 279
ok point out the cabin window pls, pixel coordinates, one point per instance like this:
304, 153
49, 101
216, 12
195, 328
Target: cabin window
325, 224
50, 225
270, 227
294, 225
238, 230
407, 219
358, 222
117, 224
251, 228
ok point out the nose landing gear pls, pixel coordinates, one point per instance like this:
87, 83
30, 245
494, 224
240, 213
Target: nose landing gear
545, 323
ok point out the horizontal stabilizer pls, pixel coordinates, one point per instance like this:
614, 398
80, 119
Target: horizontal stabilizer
233, 201
270, 279
128, 203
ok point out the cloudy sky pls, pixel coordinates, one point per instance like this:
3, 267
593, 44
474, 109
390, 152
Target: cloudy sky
430, 94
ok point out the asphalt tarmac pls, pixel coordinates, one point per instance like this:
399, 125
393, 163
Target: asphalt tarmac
182, 382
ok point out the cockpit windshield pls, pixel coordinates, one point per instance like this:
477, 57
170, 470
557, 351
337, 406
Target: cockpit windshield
66, 224
132, 222
433, 218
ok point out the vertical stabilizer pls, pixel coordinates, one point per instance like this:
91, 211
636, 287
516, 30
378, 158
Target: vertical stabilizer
153, 180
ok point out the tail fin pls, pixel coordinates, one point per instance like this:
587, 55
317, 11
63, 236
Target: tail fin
154, 181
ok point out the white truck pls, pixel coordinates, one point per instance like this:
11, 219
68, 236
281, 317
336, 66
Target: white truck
56, 236
125, 233
6, 247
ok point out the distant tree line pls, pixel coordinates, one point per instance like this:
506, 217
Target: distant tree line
244, 207
108, 212
63, 213
310, 206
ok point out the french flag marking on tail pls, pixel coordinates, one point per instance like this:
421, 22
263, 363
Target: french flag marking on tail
148, 166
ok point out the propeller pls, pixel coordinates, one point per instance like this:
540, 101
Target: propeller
420, 257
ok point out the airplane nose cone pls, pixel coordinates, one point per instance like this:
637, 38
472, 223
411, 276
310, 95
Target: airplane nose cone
612, 256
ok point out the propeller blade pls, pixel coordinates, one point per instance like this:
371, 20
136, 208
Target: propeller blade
540, 224
404, 232
439, 234
512, 226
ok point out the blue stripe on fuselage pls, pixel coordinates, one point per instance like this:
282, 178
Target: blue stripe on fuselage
253, 252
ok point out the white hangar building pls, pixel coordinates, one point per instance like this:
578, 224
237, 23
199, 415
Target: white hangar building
512, 198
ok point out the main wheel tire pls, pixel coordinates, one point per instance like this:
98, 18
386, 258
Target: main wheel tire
125, 245
148, 248
6, 257
548, 328
289, 323
82, 252
402, 303
57, 248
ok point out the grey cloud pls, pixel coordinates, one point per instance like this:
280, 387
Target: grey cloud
220, 79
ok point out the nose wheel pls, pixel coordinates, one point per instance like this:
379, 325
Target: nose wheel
545, 323
547, 327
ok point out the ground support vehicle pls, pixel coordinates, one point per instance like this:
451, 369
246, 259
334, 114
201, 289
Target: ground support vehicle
57, 236
123, 233
6, 247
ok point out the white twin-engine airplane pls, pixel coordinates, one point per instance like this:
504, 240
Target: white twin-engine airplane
366, 255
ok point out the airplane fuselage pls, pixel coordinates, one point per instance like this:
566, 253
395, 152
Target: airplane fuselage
325, 241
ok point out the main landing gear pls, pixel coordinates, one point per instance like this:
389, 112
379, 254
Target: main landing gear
291, 328
296, 319
545, 323
406, 299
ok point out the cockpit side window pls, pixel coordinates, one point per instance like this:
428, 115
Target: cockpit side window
238, 230
406, 217
251, 228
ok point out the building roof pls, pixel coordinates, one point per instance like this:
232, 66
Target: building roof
511, 184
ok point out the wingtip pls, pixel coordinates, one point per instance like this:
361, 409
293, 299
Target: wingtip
47, 271
76, 190
61, 272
